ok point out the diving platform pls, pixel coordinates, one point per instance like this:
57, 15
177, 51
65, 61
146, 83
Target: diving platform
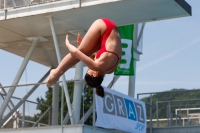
20, 25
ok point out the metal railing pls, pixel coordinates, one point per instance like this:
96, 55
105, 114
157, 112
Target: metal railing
28, 115
27, 110
10, 4
172, 111
6, 4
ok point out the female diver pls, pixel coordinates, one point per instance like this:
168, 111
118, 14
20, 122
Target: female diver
102, 41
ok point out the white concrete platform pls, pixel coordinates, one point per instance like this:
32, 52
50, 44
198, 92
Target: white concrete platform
18, 25
61, 129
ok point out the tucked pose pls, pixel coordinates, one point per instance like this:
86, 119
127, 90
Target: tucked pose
102, 41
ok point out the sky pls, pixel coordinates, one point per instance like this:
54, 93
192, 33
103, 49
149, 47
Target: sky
170, 59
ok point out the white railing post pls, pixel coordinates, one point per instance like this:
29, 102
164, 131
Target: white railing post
5, 4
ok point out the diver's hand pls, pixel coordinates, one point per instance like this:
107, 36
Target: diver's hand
70, 47
79, 39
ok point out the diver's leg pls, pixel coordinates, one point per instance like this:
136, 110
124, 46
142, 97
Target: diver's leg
88, 46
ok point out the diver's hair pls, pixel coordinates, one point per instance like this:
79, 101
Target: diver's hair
95, 82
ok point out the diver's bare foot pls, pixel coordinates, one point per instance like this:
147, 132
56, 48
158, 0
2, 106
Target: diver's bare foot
53, 78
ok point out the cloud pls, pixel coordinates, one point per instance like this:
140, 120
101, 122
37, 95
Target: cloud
167, 56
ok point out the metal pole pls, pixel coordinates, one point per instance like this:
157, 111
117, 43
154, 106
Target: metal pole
18, 76
86, 116
131, 88
14, 4
49, 117
23, 117
16, 121
78, 89
80, 3
151, 114
140, 35
41, 117
66, 119
55, 103
4, 98
62, 106
138, 96
13, 119
188, 117
24, 99
179, 114
171, 119
5, 4
63, 76
199, 119
113, 81
157, 113
94, 105
169, 114
6, 94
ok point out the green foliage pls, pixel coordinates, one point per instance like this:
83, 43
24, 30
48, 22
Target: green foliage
88, 98
179, 99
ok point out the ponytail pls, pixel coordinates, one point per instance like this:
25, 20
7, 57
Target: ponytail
100, 91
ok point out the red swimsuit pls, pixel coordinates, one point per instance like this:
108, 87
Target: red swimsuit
109, 27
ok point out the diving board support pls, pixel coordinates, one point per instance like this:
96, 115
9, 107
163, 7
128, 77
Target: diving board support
42, 116
138, 32
62, 106
55, 103
23, 115
115, 78
86, 116
22, 101
66, 119
94, 109
18, 76
131, 87
63, 76
1, 88
78, 89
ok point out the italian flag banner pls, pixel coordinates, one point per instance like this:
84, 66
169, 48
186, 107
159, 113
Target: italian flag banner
126, 66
